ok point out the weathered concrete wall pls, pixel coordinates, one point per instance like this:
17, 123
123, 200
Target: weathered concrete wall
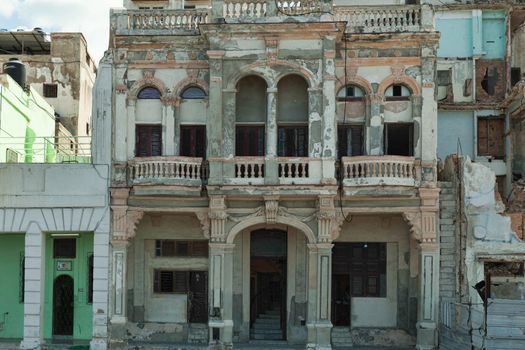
70, 67
456, 134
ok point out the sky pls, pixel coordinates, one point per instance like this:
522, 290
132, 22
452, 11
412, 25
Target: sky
90, 17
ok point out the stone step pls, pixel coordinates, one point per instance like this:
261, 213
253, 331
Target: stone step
267, 336
255, 330
268, 320
267, 325
269, 316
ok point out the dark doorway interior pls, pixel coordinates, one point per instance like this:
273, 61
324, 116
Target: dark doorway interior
63, 309
268, 285
198, 297
399, 139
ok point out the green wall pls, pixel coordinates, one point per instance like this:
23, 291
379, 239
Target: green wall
11, 284
25, 119
83, 311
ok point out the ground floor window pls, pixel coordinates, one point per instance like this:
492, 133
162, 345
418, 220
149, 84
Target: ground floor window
358, 270
192, 283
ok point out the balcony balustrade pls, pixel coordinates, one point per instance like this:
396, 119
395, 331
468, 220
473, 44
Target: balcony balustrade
360, 19
380, 170
384, 19
185, 171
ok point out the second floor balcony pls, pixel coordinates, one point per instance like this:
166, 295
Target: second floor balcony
354, 172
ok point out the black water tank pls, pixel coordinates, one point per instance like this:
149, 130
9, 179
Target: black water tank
16, 70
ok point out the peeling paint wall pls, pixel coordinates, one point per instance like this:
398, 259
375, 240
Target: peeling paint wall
70, 67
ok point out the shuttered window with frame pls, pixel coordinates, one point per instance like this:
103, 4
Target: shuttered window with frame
249, 141
193, 141
350, 140
148, 140
491, 137
170, 281
292, 141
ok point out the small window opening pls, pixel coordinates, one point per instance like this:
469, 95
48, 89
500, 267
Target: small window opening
397, 92
171, 281
490, 80
64, 248
50, 90
350, 93
193, 93
491, 137
193, 141
149, 93
148, 140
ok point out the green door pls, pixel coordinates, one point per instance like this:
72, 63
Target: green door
68, 294
11, 286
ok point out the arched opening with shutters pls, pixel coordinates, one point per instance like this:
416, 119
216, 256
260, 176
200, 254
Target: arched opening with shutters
250, 116
351, 116
148, 123
292, 116
193, 110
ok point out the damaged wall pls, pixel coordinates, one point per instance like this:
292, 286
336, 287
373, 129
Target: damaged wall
69, 66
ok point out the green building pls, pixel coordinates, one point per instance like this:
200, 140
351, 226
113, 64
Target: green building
27, 124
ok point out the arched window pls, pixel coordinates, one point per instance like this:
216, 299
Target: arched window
351, 93
397, 92
193, 93
292, 117
250, 116
149, 93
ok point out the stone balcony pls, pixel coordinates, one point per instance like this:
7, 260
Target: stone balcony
380, 171
360, 19
167, 175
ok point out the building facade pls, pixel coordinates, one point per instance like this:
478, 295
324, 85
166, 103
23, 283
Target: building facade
273, 173
60, 69
54, 224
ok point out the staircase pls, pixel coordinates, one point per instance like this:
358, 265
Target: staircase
267, 326
341, 337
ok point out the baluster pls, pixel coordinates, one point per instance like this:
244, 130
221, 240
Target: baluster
237, 170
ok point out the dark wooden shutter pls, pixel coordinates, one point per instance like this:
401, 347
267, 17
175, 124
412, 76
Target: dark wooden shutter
193, 141
292, 141
249, 141
483, 137
148, 140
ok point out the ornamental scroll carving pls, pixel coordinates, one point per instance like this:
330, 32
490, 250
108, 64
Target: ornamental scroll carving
422, 226
125, 223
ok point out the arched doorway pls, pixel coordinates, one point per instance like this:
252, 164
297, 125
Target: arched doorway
268, 281
63, 309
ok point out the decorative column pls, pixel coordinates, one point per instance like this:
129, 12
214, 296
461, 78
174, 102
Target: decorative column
130, 125
329, 107
229, 116
123, 230
425, 113
271, 176
215, 123
423, 226
34, 287
221, 278
101, 265
320, 276
168, 123
375, 125
176, 125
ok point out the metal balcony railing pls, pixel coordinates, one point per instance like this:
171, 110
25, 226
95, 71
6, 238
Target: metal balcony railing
63, 149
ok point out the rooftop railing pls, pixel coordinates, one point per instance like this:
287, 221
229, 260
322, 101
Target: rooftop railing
63, 149
360, 19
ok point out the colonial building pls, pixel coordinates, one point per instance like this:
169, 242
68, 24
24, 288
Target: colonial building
273, 173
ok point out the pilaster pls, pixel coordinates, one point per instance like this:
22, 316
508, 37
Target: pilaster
215, 115
270, 164
34, 288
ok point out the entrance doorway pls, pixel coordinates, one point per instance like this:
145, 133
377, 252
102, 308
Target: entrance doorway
63, 309
198, 297
268, 285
